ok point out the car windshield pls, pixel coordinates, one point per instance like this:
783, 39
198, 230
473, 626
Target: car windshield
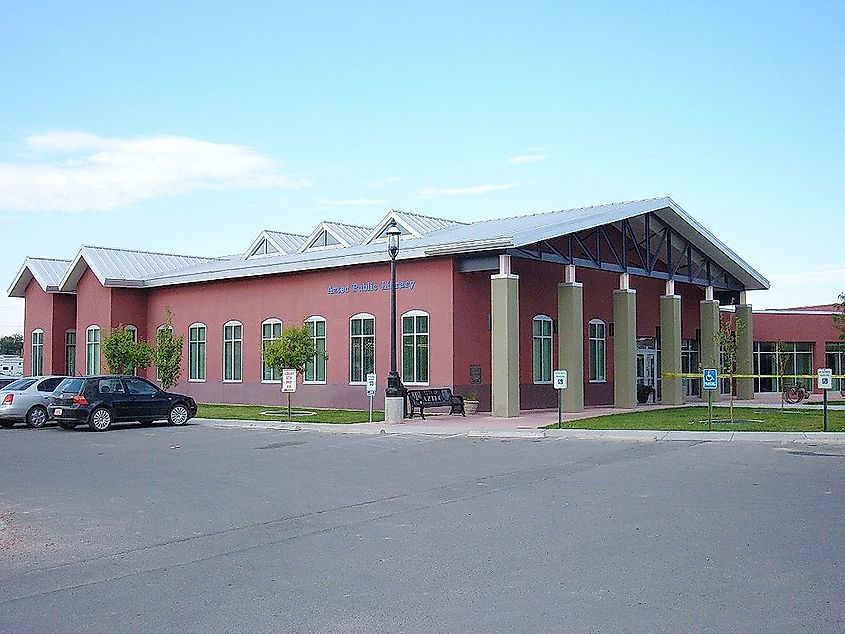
73, 386
20, 384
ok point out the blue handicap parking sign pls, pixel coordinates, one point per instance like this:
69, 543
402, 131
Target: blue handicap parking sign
710, 379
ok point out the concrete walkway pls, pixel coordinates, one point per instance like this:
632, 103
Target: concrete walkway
528, 425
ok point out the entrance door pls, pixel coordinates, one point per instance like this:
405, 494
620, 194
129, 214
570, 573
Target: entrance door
647, 368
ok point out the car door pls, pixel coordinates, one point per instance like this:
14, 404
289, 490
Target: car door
112, 393
150, 402
45, 388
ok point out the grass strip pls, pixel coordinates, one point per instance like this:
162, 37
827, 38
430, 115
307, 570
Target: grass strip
276, 413
695, 419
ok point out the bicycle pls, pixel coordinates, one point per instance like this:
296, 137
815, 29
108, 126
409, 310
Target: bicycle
795, 393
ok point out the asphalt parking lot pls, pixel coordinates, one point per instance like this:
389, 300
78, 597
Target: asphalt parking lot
196, 529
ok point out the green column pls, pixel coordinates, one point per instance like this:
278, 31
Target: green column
670, 349
625, 348
570, 316
709, 333
504, 299
745, 351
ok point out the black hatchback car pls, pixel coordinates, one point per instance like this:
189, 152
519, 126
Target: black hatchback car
103, 400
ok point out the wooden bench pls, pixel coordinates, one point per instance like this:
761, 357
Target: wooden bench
439, 397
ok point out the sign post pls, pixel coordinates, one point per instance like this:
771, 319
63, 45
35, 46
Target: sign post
371, 391
825, 383
710, 382
560, 381
289, 385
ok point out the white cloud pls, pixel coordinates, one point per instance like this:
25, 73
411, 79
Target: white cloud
351, 202
527, 158
76, 171
427, 193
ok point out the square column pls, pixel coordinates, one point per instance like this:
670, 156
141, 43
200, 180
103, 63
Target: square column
710, 337
504, 300
625, 348
670, 349
570, 316
745, 351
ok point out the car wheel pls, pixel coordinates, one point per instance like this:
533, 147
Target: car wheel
8, 424
178, 415
36, 417
100, 419
65, 425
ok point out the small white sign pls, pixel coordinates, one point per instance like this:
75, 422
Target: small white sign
825, 379
288, 380
560, 379
371, 384
710, 379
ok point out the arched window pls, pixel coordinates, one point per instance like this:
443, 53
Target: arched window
542, 329
134, 332
70, 352
598, 351
196, 352
233, 341
37, 352
92, 350
315, 369
270, 329
415, 347
362, 347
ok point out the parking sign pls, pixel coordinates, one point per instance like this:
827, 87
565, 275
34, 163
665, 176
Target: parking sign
371, 384
288, 380
560, 379
825, 379
710, 379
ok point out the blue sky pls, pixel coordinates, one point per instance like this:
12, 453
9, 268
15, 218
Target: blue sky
189, 127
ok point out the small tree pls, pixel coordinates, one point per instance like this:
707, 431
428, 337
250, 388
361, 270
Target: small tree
839, 316
726, 338
167, 355
784, 367
123, 354
292, 351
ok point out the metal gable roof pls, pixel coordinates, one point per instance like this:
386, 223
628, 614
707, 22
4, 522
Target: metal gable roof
290, 242
47, 272
123, 267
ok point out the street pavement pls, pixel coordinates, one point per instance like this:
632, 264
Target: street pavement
210, 529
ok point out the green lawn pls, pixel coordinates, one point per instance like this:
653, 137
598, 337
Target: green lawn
695, 419
280, 413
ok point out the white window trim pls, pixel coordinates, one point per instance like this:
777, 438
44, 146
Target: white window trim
271, 320
316, 318
91, 329
205, 341
413, 313
589, 347
361, 316
37, 331
551, 347
232, 322
67, 345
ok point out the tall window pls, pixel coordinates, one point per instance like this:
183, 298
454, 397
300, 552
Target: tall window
542, 328
598, 350
315, 369
270, 330
161, 329
362, 347
92, 350
134, 332
689, 365
70, 352
196, 352
834, 354
415, 347
233, 339
37, 351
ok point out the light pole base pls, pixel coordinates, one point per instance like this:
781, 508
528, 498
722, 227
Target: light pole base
394, 409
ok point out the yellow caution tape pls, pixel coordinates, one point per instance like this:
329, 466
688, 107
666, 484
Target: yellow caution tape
697, 375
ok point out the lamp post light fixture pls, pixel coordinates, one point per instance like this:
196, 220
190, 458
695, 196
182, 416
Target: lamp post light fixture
394, 389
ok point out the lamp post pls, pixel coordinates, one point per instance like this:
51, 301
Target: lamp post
394, 406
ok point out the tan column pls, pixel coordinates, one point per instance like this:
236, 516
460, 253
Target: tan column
570, 315
625, 348
504, 300
672, 392
744, 351
710, 337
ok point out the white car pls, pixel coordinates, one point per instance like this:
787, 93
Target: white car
26, 399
